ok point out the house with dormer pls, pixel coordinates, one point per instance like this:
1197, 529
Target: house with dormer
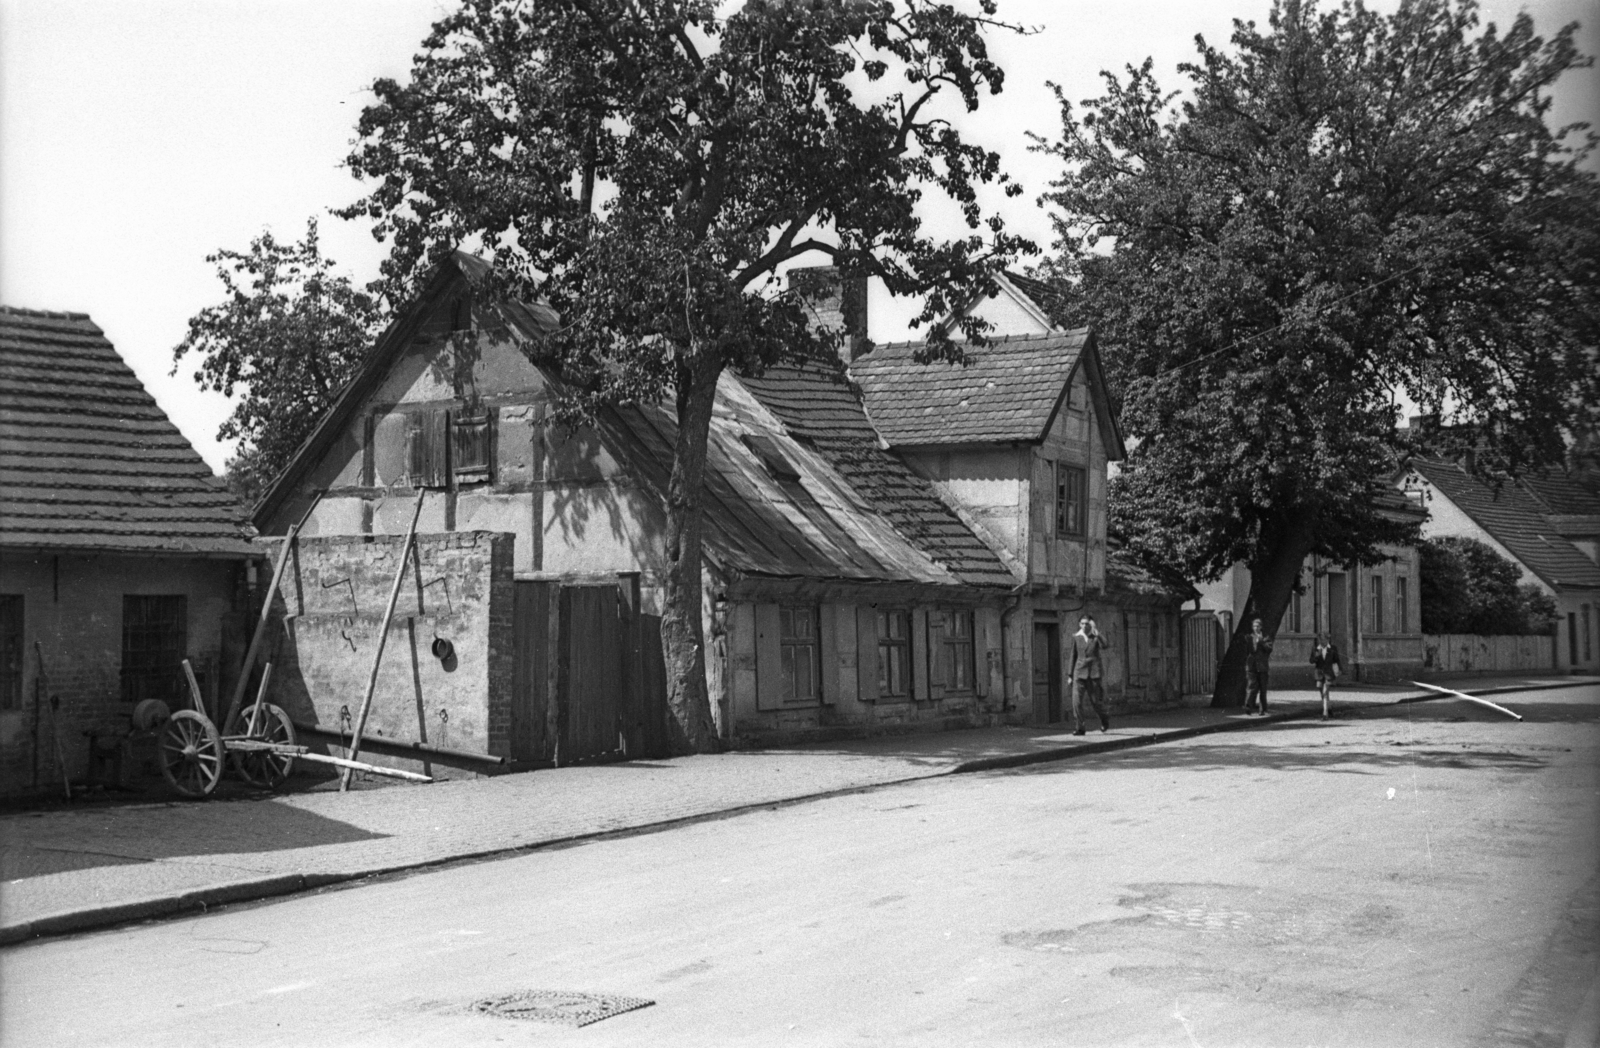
867, 569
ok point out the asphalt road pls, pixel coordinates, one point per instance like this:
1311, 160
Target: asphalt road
1429, 875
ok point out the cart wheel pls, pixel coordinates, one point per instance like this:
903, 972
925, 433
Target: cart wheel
266, 769
191, 754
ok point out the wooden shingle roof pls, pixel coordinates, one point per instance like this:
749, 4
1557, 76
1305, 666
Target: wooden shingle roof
1008, 392
88, 461
1515, 521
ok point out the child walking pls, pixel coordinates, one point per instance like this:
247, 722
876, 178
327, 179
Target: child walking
1325, 657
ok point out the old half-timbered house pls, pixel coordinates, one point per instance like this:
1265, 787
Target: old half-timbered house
851, 586
121, 555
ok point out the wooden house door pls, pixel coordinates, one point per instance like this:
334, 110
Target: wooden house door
1047, 672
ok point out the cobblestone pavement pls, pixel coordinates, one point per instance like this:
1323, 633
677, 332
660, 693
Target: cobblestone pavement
76, 868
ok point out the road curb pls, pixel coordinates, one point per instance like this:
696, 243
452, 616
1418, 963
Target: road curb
1019, 760
201, 899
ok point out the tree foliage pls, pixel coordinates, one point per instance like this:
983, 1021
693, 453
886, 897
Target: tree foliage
1345, 208
649, 166
1467, 587
286, 337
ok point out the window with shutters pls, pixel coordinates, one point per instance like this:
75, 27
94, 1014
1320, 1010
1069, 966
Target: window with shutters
470, 439
797, 641
11, 651
894, 653
155, 638
956, 671
1071, 500
428, 448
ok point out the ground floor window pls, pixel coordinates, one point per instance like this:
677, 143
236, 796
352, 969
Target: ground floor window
1401, 599
11, 651
894, 653
955, 651
1588, 635
797, 638
155, 639
1377, 604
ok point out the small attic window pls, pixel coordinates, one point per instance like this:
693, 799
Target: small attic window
771, 455
461, 313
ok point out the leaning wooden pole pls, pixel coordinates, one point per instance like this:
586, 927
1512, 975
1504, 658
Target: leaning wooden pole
383, 636
266, 614
1470, 698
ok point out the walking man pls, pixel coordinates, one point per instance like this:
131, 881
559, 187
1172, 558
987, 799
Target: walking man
1085, 673
1255, 669
1325, 657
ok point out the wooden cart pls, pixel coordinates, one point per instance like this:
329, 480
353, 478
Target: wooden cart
260, 747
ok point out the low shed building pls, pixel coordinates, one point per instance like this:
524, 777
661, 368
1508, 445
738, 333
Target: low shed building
121, 554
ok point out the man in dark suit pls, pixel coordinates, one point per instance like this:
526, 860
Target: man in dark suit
1085, 672
1258, 659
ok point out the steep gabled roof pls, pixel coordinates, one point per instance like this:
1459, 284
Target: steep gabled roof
1049, 298
818, 406
457, 270
1008, 392
1514, 520
89, 461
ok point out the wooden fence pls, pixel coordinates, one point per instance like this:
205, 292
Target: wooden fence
1468, 653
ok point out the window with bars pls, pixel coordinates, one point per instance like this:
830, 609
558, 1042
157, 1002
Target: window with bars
1376, 624
894, 653
1072, 508
11, 651
155, 638
956, 651
797, 641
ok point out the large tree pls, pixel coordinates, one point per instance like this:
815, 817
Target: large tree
287, 335
1345, 210
649, 166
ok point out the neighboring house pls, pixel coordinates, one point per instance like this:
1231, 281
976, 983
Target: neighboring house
120, 553
1371, 612
1546, 526
860, 575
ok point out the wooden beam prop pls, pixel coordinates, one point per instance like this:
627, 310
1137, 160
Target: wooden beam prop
383, 637
1470, 698
266, 613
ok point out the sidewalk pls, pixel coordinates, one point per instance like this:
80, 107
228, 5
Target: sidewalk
72, 870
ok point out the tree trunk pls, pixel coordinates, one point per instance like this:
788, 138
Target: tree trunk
682, 634
1271, 584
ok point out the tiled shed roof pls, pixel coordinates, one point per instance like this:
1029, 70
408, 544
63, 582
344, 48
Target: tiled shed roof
88, 461
1515, 521
819, 407
1007, 392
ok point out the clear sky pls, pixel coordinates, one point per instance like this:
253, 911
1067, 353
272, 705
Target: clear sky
137, 136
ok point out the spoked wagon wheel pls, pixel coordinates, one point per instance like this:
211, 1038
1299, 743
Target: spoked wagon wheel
258, 767
191, 754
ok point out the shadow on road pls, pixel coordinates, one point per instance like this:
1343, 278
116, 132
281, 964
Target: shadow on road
96, 839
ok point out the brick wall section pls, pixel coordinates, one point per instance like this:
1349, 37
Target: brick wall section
72, 606
330, 608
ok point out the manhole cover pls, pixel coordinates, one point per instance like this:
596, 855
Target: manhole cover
563, 1007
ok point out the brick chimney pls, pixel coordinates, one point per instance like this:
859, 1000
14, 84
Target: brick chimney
836, 304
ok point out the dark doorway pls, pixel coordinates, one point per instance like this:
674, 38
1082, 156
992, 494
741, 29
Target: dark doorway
1047, 671
1339, 619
